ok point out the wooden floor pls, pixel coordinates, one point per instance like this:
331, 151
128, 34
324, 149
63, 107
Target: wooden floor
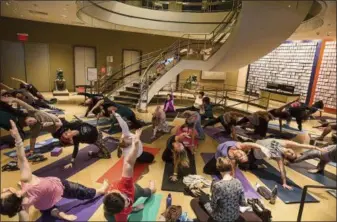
323, 211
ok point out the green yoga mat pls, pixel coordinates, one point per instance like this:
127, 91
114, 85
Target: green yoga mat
150, 211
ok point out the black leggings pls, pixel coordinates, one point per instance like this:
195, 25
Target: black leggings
145, 157
325, 158
210, 167
136, 123
77, 191
220, 119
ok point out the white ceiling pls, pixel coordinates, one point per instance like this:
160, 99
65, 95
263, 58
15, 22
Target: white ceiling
64, 12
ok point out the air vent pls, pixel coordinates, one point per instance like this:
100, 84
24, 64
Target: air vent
37, 12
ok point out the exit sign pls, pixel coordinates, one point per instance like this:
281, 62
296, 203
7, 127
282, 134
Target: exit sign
22, 37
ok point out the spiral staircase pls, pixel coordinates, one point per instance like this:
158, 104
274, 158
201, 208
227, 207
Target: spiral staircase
245, 34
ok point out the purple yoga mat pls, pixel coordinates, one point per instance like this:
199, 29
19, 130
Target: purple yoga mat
82, 209
247, 187
217, 134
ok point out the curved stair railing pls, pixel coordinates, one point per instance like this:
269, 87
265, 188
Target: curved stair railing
189, 46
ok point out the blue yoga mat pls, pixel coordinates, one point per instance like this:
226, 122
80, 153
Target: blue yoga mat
326, 178
271, 177
40, 147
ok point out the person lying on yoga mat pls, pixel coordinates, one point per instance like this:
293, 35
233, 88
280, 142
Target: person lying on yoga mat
125, 143
159, 122
104, 107
176, 153
227, 195
193, 119
190, 141
328, 128
228, 120
235, 151
169, 104
120, 197
81, 132
41, 192
37, 120
258, 120
27, 97
206, 110
197, 103
281, 150
328, 154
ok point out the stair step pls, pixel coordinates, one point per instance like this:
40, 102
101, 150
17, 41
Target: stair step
126, 103
132, 89
130, 94
136, 84
126, 98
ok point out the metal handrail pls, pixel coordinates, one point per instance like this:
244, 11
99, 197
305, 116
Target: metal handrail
304, 194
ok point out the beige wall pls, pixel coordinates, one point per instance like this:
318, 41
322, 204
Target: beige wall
62, 39
242, 78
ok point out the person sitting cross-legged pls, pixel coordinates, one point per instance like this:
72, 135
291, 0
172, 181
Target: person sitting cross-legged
41, 192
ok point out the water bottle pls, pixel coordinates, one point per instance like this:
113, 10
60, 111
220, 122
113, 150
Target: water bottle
168, 201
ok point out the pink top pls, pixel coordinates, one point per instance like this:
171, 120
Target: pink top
188, 141
43, 195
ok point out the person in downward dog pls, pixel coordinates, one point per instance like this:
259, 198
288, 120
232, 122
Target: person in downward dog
120, 197
41, 192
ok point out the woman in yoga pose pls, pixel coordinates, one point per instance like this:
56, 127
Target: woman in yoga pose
328, 128
37, 120
206, 110
41, 192
259, 120
228, 120
193, 119
105, 107
125, 143
191, 140
176, 153
120, 197
30, 88
227, 195
159, 122
80, 132
91, 101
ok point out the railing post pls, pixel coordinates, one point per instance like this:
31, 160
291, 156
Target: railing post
188, 45
268, 100
250, 92
300, 212
216, 95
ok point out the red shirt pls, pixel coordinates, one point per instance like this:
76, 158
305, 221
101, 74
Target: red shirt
188, 142
125, 186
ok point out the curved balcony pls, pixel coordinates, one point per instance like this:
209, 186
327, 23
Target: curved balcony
197, 6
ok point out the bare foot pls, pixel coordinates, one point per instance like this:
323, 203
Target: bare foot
61, 215
103, 188
152, 186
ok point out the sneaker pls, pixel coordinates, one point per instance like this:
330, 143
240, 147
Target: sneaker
273, 195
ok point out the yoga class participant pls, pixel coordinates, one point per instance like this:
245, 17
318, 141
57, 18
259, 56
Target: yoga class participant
176, 153
328, 128
80, 132
169, 104
326, 155
281, 150
259, 121
233, 150
105, 107
197, 103
90, 102
120, 197
191, 140
227, 195
193, 119
41, 192
159, 122
37, 120
228, 120
206, 111
125, 143
30, 88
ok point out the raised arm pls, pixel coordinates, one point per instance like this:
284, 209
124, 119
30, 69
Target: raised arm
25, 171
282, 169
293, 145
5, 86
18, 101
19, 80
100, 102
130, 159
124, 126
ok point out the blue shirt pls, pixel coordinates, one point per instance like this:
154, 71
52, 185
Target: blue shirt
222, 149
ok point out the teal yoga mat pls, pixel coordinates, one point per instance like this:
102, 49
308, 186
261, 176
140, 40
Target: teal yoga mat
150, 211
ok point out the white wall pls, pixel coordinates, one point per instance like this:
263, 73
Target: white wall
242, 78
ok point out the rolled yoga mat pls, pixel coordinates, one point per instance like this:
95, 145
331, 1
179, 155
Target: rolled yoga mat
40, 147
177, 186
150, 211
247, 187
325, 178
83, 209
147, 133
271, 177
115, 172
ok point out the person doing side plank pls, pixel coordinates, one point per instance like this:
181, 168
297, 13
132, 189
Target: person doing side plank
125, 143
80, 132
41, 192
37, 120
120, 197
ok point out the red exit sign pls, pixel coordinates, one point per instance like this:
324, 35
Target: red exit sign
22, 37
